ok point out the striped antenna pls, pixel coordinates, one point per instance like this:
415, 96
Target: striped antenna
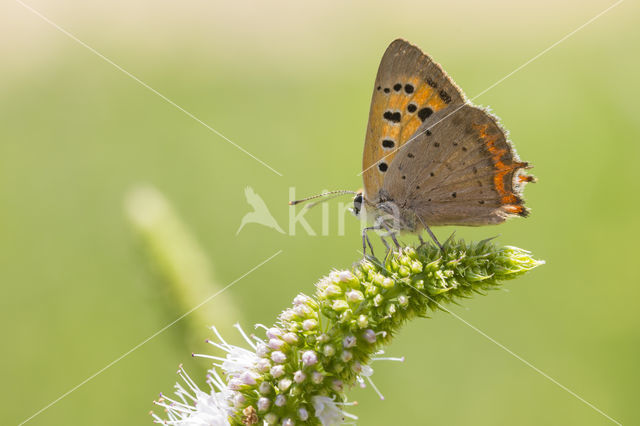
324, 194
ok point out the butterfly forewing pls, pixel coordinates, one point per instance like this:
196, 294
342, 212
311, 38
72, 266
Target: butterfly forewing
410, 87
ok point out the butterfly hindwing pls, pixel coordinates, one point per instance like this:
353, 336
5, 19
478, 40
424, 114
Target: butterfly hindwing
459, 170
410, 87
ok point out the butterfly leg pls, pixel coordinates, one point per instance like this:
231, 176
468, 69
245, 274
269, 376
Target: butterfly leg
433, 237
431, 234
421, 240
365, 240
394, 239
386, 244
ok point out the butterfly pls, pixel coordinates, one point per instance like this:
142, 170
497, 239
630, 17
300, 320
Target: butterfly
430, 157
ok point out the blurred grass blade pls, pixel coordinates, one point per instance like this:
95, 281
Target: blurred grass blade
181, 263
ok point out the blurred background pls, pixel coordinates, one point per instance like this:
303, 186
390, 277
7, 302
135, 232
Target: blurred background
291, 82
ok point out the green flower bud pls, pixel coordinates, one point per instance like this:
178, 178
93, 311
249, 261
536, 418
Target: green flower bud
363, 321
339, 305
388, 283
377, 301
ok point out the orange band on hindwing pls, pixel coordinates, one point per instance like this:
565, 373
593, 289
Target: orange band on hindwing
503, 170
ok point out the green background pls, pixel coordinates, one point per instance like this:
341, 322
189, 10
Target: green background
291, 83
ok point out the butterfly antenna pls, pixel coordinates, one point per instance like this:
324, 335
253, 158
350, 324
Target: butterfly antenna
324, 194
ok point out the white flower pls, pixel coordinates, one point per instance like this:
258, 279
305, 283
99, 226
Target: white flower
195, 407
328, 412
238, 360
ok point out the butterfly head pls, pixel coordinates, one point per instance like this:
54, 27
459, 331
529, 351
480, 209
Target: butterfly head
357, 204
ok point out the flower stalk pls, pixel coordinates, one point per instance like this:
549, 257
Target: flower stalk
325, 343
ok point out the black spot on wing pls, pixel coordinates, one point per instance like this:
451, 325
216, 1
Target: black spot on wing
444, 96
424, 113
394, 117
388, 143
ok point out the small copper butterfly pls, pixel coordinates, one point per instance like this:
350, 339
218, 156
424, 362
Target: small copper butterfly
430, 157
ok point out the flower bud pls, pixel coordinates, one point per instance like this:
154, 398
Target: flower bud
249, 377
263, 350
276, 344
281, 400
303, 414
303, 311
317, 377
377, 301
264, 388
299, 376
274, 333
403, 300
277, 371
309, 358
271, 418
235, 384
369, 335
362, 321
288, 422
354, 296
238, 399
263, 365
387, 283
284, 384
346, 356
349, 341
328, 350
340, 305
301, 299
332, 290
263, 404
278, 357
288, 315
290, 338
309, 324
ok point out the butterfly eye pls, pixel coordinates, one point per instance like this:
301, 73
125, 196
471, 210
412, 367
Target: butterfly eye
357, 204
